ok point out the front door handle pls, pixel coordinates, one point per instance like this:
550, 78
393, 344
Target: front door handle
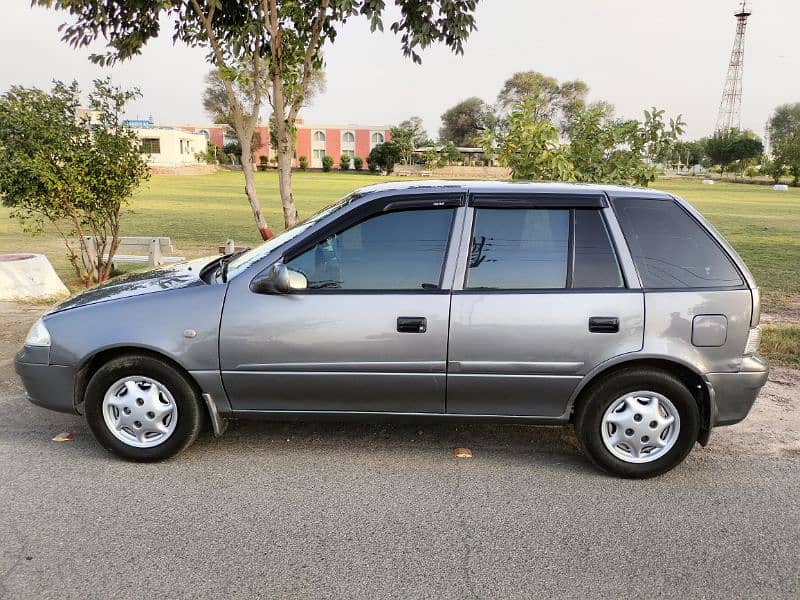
412, 324
604, 324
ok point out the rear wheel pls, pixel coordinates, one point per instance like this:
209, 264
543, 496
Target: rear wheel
638, 422
142, 409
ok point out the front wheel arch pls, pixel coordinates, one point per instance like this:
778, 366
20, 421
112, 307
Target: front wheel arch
90, 366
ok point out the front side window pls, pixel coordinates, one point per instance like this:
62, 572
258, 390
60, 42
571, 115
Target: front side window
402, 250
519, 249
671, 249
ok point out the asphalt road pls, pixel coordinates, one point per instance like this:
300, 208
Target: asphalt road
386, 511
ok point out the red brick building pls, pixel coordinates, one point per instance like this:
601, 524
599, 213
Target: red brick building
313, 141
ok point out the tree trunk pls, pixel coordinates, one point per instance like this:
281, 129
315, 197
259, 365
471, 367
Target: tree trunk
285, 157
250, 189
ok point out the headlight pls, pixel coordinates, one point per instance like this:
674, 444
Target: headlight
753, 340
38, 335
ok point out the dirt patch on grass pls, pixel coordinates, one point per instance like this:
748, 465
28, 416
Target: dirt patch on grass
773, 425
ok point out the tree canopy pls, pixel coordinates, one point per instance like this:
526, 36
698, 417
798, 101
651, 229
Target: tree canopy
276, 40
784, 124
464, 123
600, 149
68, 170
555, 101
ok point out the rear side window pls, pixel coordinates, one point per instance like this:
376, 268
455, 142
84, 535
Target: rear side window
519, 249
670, 248
596, 264
533, 248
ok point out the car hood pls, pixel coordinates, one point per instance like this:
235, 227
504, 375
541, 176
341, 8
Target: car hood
160, 279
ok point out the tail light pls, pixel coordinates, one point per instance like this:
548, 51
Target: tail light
753, 340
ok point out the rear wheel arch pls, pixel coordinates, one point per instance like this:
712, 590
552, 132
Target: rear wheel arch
693, 381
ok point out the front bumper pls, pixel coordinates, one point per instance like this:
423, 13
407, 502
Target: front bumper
48, 386
733, 394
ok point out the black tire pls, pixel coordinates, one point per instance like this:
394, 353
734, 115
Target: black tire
190, 417
597, 399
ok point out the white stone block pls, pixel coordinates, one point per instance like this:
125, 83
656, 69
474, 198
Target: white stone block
29, 277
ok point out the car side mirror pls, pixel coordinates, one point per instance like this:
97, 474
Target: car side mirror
280, 279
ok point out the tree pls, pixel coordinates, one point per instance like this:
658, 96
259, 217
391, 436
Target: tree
787, 156
383, 157
745, 150
464, 123
689, 153
727, 147
250, 41
556, 102
600, 149
529, 146
418, 134
219, 109
784, 124
58, 168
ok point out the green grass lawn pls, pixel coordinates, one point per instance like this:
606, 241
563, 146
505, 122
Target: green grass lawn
200, 212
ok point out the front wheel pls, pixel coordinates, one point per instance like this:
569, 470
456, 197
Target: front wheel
638, 422
142, 409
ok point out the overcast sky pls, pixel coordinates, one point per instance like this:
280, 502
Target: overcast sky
632, 53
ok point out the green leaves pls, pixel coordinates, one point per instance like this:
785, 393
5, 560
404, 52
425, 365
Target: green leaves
599, 150
66, 168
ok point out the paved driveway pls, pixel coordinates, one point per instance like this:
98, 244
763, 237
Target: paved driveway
380, 511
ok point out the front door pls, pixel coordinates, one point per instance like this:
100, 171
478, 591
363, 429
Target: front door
542, 302
369, 334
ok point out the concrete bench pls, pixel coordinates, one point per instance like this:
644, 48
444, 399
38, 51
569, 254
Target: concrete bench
425, 173
230, 247
138, 249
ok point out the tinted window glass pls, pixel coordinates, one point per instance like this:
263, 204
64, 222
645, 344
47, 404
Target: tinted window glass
596, 263
519, 249
670, 249
393, 251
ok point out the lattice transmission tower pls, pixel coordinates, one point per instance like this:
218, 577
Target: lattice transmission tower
730, 109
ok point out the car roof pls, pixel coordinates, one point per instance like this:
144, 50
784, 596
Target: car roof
510, 188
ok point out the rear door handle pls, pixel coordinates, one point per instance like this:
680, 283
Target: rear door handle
603, 324
412, 324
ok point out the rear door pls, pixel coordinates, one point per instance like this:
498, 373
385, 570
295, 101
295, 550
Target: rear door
540, 300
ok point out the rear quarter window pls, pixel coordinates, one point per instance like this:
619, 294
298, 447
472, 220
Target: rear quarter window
670, 248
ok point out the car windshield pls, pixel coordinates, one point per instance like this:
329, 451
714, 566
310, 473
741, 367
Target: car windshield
244, 260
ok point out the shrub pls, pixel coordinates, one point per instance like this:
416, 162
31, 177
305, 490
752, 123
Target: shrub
263, 163
210, 155
344, 162
327, 163
383, 157
303, 162
358, 163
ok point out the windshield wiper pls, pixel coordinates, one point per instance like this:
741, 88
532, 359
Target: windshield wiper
325, 284
222, 270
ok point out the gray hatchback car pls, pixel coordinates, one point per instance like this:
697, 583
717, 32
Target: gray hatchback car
621, 311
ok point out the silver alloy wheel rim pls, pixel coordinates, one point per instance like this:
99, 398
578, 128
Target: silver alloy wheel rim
640, 427
140, 411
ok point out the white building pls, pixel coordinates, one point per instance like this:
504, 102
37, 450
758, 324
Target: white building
169, 147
